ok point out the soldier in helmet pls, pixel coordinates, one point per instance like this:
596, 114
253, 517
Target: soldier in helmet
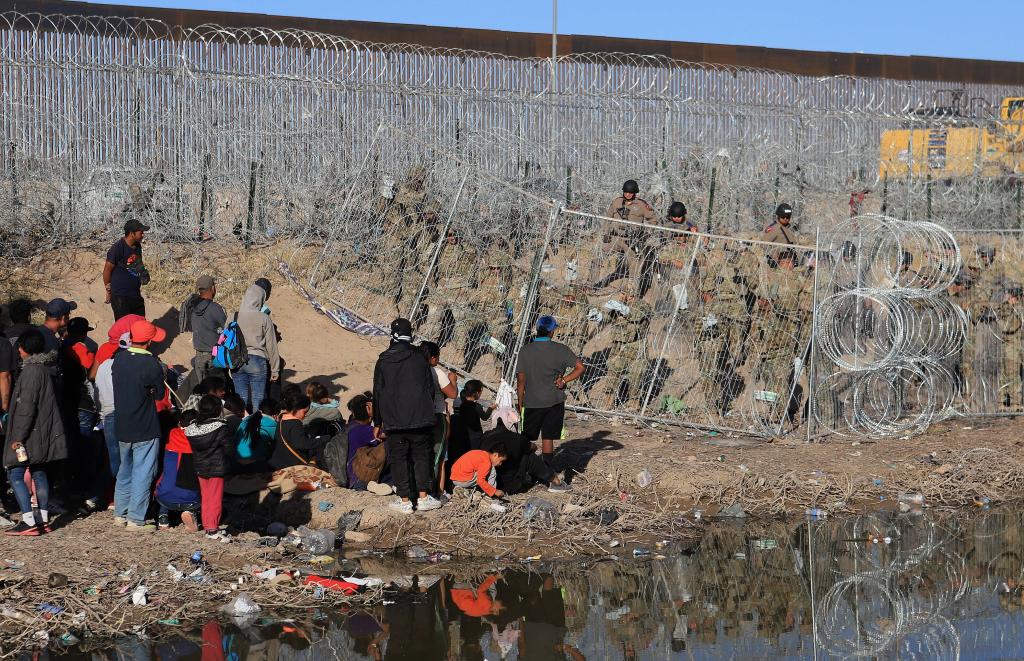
673, 254
626, 241
630, 320
782, 230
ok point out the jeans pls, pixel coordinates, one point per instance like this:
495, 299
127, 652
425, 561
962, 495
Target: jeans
16, 476
135, 479
113, 447
251, 381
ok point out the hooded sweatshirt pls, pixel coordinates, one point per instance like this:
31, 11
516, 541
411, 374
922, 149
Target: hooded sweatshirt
207, 320
403, 389
257, 327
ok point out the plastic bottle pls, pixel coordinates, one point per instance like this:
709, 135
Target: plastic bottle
815, 513
644, 479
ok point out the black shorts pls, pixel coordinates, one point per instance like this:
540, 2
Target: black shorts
546, 422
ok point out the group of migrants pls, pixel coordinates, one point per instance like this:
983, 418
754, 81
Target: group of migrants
111, 425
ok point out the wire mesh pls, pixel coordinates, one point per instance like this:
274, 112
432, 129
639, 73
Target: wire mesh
471, 192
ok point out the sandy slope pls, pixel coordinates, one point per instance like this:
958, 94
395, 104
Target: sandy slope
312, 345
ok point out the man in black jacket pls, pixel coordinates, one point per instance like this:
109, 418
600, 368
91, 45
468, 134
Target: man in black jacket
403, 398
138, 379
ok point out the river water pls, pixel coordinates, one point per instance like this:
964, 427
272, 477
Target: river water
935, 586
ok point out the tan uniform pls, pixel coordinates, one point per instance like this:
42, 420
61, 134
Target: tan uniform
784, 235
627, 243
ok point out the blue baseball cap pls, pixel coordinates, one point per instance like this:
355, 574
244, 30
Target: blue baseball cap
547, 323
58, 308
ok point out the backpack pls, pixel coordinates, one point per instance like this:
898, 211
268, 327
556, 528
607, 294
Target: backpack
368, 462
230, 351
335, 458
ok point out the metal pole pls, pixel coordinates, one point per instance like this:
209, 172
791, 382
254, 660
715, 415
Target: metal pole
247, 230
204, 195
814, 345
531, 292
437, 251
671, 327
711, 196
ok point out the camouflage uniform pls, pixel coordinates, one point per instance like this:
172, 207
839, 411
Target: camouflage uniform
452, 283
783, 334
627, 359
627, 242
720, 326
411, 228
673, 259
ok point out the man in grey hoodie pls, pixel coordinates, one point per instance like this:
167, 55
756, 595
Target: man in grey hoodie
206, 319
261, 342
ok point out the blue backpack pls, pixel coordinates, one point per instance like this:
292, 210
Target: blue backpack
230, 352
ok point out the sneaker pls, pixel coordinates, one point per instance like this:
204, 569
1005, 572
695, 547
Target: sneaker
218, 536
120, 521
378, 489
23, 530
559, 487
493, 505
428, 503
188, 519
163, 522
140, 527
401, 506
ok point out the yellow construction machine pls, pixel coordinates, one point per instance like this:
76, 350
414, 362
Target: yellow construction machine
945, 144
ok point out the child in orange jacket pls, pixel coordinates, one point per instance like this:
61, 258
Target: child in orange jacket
476, 468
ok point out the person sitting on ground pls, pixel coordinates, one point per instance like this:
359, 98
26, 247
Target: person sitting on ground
234, 411
478, 468
293, 446
177, 488
321, 406
362, 434
254, 440
523, 468
35, 435
210, 441
472, 413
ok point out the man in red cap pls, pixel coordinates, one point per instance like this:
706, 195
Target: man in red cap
138, 380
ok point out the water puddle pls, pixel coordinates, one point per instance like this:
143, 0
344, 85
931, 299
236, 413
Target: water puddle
940, 586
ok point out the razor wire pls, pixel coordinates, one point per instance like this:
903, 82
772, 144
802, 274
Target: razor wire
463, 189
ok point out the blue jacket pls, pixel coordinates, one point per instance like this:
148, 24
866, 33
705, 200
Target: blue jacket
178, 468
264, 446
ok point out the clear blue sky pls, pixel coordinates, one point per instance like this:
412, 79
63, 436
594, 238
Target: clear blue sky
984, 29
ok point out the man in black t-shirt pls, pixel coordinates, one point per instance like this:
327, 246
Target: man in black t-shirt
124, 272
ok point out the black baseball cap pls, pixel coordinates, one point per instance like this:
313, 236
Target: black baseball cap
79, 325
134, 225
58, 308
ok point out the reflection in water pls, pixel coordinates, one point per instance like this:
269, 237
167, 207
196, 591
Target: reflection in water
941, 588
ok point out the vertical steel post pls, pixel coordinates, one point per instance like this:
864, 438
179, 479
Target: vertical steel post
247, 230
811, 401
531, 292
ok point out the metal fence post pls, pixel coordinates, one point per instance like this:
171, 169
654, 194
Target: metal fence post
812, 359
671, 326
247, 230
531, 292
437, 250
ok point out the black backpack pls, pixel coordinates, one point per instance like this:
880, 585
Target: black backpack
335, 457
